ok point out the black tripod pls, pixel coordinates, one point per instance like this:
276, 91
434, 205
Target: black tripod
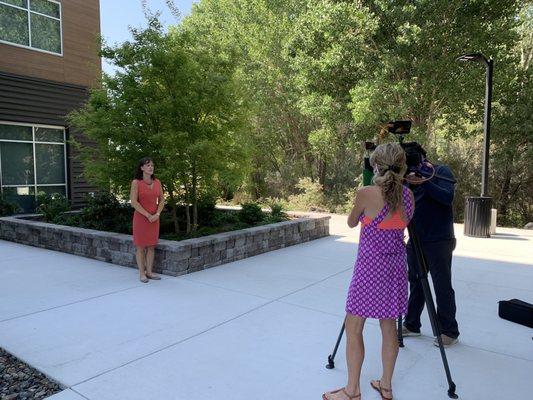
422, 275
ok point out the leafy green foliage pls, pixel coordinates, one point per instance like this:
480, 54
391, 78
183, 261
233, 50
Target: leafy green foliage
104, 212
251, 214
7, 208
175, 101
319, 77
257, 99
310, 198
277, 214
51, 206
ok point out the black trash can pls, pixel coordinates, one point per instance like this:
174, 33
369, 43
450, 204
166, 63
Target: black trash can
477, 216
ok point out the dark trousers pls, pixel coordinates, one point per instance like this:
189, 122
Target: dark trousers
439, 259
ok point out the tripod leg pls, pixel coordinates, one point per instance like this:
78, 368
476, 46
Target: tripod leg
423, 277
331, 357
400, 334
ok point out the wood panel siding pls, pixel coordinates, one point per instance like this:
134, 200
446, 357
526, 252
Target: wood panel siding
79, 188
79, 64
36, 101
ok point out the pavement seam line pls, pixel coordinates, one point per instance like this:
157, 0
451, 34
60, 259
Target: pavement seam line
78, 393
184, 277
174, 344
204, 331
69, 304
224, 288
491, 284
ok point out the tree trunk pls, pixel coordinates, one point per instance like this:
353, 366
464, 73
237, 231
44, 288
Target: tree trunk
187, 210
322, 172
504, 194
173, 206
194, 198
505, 190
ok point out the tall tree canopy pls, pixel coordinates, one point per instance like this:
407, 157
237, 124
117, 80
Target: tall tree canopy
269, 97
171, 100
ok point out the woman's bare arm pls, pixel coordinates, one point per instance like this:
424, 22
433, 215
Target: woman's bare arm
358, 208
134, 196
161, 203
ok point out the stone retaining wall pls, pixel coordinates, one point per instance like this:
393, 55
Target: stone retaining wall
172, 257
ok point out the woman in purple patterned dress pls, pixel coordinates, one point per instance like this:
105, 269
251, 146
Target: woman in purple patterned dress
379, 284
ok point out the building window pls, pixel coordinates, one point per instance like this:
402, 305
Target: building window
32, 161
34, 24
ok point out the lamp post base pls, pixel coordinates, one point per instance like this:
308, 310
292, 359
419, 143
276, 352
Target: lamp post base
478, 216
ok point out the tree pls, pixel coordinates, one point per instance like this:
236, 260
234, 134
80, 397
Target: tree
512, 148
383, 60
253, 34
169, 100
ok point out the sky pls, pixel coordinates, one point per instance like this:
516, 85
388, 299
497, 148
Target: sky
117, 15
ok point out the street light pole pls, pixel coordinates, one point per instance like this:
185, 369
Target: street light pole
486, 129
478, 212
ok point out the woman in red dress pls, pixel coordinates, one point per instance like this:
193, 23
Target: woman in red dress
147, 198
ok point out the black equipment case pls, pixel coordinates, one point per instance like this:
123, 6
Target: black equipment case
516, 311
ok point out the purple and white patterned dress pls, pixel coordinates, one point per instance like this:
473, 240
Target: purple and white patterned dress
379, 284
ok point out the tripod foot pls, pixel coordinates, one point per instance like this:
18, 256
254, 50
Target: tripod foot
451, 391
331, 363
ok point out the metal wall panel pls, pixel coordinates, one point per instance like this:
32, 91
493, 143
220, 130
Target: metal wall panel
37, 101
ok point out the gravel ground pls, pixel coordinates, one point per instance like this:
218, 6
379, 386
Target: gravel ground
19, 381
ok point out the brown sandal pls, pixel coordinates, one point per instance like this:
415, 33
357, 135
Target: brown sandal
343, 390
376, 385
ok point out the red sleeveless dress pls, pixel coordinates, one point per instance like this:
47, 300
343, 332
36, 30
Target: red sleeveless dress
146, 233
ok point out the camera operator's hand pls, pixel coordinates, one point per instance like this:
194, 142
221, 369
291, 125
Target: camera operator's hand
426, 165
414, 179
426, 170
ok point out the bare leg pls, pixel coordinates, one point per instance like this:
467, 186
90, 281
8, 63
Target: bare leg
389, 351
141, 259
150, 255
355, 352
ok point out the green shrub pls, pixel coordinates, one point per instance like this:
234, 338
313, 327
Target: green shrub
242, 198
105, 213
277, 214
68, 219
251, 214
7, 208
51, 206
346, 207
310, 198
206, 210
281, 202
224, 217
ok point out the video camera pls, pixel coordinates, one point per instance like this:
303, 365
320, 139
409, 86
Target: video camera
414, 152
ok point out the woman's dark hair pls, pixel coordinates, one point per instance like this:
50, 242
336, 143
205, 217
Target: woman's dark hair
139, 171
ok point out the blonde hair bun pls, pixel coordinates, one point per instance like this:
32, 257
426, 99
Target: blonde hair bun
388, 161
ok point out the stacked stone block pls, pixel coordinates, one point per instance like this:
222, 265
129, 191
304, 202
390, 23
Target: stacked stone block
172, 257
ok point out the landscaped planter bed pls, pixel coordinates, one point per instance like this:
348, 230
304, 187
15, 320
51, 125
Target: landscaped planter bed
172, 257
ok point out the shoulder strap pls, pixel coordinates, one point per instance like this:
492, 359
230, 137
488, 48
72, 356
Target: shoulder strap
382, 214
408, 203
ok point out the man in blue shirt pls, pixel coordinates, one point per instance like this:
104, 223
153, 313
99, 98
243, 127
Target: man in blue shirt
433, 224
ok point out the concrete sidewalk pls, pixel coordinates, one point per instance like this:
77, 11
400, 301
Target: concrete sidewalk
260, 328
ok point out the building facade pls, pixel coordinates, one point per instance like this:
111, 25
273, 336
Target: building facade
48, 63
